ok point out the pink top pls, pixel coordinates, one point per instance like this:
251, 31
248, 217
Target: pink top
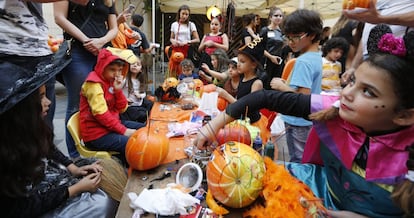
216, 39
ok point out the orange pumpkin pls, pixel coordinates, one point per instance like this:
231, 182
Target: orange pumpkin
352, 4
234, 131
222, 103
234, 174
146, 149
177, 57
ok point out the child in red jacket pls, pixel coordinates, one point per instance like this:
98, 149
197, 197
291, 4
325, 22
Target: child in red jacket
102, 100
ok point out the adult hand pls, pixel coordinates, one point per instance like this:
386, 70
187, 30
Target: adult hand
370, 15
93, 45
276, 59
346, 76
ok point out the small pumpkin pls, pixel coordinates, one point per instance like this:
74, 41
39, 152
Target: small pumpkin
352, 4
146, 149
222, 103
234, 131
234, 174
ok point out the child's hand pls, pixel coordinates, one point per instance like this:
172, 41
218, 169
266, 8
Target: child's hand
85, 170
205, 67
209, 43
220, 91
278, 84
91, 168
90, 182
118, 82
129, 132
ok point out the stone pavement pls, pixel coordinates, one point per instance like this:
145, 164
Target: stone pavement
59, 120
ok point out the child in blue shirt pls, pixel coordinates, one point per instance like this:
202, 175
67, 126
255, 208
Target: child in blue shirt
302, 30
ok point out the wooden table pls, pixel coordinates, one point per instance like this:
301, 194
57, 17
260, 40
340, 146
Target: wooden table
161, 115
139, 180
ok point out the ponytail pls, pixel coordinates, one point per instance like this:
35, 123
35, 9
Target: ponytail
326, 114
403, 194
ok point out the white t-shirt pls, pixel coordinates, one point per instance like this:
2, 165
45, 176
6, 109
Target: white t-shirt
23, 31
136, 101
182, 31
387, 7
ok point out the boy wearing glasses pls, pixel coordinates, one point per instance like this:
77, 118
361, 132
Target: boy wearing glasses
302, 31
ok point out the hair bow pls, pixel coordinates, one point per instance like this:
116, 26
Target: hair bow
392, 45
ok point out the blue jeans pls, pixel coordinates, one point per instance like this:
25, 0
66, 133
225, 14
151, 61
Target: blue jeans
296, 137
74, 75
114, 141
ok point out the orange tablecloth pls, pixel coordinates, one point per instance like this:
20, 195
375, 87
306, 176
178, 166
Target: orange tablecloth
160, 117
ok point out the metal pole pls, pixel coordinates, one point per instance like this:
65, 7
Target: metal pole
153, 40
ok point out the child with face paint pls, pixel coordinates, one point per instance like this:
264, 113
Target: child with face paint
360, 153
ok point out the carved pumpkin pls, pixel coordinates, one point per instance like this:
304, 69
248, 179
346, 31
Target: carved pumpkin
146, 149
234, 174
170, 82
177, 57
234, 131
222, 103
174, 67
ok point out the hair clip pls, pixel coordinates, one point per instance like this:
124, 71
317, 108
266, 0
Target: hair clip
219, 17
392, 45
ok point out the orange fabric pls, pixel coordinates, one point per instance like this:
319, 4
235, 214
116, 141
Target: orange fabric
160, 120
122, 40
262, 125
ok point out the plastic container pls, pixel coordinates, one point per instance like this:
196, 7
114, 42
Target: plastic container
269, 149
258, 144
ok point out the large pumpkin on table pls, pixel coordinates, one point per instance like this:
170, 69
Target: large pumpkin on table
146, 149
234, 174
234, 131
